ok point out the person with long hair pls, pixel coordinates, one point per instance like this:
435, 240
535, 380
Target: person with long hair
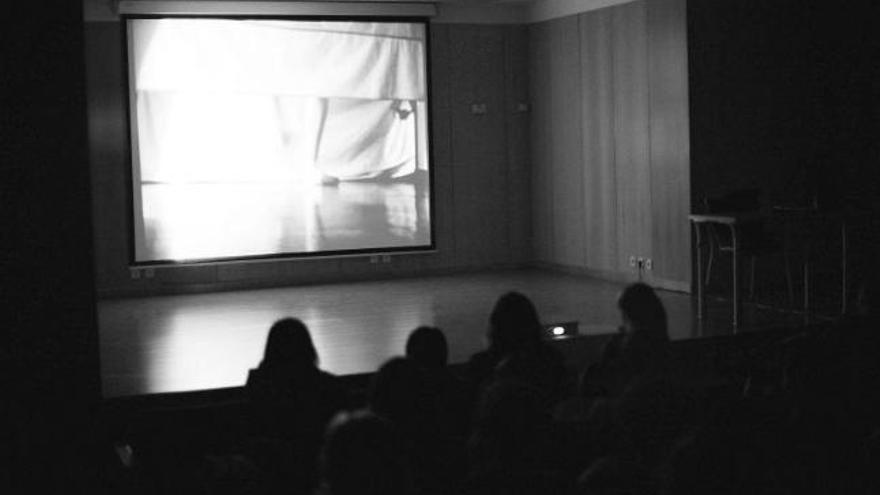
513, 327
290, 401
364, 454
639, 347
643, 314
516, 350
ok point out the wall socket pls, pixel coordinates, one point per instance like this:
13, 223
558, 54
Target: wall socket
374, 259
386, 258
138, 273
641, 262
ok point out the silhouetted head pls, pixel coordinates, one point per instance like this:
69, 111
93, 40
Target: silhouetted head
397, 390
514, 324
289, 345
642, 312
362, 455
427, 347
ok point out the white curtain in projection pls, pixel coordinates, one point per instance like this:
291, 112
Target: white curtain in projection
251, 100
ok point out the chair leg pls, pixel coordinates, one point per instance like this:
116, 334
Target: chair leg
752, 279
709, 265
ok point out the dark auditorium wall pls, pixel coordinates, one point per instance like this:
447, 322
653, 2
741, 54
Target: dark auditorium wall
48, 342
784, 98
610, 148
480, 165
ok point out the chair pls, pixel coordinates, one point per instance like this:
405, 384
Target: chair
752, 238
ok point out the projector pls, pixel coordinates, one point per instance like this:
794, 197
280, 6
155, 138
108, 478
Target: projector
561, 330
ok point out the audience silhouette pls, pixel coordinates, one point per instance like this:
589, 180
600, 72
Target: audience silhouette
639, 347
495, 425
427, 346
363, 455
290, 401
517, 349
445, 392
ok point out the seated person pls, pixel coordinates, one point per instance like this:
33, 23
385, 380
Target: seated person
398, 394
403, 393
513, 448
514, 330
290, 401
426, 347
640, 346
363, 455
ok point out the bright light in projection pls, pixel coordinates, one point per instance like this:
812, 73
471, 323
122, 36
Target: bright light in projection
245, 131
208, 142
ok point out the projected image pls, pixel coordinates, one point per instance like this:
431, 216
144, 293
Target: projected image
261, 137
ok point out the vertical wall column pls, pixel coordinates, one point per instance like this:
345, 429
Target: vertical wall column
610, 148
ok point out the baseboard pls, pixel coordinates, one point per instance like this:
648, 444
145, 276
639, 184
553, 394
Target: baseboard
170, 289
316, 279
615, 276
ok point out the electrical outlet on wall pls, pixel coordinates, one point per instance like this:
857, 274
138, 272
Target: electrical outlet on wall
649, 265
386, 258
135, 273
632, 261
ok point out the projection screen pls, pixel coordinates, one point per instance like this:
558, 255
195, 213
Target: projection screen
256, 138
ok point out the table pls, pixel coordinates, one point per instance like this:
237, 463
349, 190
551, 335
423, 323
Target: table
788, 216
843, 217
730, 220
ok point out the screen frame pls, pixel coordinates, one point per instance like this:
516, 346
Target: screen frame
132, 138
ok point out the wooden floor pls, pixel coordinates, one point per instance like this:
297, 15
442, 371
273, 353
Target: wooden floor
207, 341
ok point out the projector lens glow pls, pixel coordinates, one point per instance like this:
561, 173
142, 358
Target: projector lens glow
558, 331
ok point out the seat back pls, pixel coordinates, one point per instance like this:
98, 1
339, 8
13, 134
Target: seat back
737, 201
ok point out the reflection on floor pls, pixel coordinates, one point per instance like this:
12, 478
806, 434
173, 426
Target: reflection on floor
206, 341
219, 220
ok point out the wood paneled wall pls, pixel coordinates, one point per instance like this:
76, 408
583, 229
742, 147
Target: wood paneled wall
610, 141
480, 166
669, 141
